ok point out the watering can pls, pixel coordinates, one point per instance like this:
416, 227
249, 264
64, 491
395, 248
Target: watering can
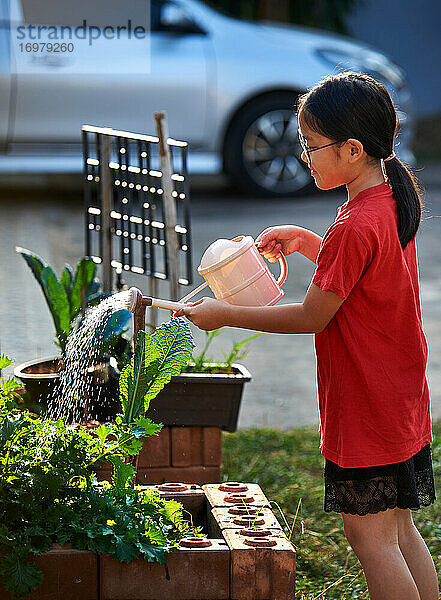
236, 273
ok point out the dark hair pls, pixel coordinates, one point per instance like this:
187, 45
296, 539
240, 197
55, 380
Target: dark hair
354, 105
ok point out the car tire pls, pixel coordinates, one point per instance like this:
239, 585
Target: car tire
262, 150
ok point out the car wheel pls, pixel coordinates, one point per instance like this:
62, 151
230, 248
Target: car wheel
262, 150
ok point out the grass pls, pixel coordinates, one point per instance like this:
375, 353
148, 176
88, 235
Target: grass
289, 468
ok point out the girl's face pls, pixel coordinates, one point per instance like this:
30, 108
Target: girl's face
328, 165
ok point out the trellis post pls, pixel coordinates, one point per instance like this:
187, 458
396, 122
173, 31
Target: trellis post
169, 204
107, 205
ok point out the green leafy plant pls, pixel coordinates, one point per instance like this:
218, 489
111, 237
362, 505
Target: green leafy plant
48, 490
201, 358
68, 296
8, 387
157, 358
201, 363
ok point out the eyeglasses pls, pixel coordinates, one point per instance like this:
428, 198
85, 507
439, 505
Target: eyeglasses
307, 150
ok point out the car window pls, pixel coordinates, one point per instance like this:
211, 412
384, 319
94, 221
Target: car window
171, 16
155, 13
98, 12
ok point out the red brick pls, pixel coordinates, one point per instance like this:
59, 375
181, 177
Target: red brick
68, 575
192, 499
197, 443
222, 518
155, 450
199, 475
212, 446
186, 446
261, 573
194, 574
247, 494
181, 446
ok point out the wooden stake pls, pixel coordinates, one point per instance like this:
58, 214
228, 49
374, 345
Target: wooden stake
171, 237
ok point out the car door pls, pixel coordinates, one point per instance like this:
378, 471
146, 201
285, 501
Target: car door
120, 84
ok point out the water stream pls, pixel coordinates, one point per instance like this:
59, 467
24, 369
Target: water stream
72, 397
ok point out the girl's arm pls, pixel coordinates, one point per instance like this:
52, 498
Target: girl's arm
288, 239
310, 316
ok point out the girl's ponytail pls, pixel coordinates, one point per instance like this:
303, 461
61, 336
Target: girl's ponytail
405, 192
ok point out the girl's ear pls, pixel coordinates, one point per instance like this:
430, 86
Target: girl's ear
354, 150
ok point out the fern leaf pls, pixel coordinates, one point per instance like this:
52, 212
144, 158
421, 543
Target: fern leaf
122, 472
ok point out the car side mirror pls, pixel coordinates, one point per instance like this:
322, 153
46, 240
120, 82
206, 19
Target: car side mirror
174, 19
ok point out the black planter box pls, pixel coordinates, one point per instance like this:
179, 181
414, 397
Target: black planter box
201, 399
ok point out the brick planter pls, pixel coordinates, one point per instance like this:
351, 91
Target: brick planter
194, 573
235, 562
68, 575
186, 454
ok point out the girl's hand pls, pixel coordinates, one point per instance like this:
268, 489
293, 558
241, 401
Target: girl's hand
207, 313
282, 238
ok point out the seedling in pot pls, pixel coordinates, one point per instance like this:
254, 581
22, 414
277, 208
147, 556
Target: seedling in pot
202, 364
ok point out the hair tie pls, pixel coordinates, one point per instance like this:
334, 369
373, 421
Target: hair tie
393, 155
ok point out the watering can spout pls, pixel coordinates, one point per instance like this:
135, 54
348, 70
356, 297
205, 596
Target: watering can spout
135, 299
136, 303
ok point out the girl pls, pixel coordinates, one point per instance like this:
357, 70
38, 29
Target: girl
363, 306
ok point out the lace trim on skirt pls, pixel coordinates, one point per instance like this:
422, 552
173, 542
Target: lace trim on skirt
408, 484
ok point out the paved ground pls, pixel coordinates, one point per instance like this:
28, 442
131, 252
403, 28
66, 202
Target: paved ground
282, 393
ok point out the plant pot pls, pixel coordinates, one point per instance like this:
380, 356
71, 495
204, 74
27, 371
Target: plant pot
41, 378
201, 399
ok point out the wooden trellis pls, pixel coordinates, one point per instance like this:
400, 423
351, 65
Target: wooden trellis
127, 204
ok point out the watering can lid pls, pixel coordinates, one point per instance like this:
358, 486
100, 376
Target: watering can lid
222, 251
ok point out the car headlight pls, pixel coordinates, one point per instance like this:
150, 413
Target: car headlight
365, 61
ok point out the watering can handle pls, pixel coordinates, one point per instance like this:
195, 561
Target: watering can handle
283, 270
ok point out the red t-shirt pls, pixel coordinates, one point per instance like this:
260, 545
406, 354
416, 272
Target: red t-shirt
371, 357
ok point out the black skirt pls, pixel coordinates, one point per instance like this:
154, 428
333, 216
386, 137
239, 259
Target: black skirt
407, 484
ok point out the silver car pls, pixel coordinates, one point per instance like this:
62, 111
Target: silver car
228, 87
